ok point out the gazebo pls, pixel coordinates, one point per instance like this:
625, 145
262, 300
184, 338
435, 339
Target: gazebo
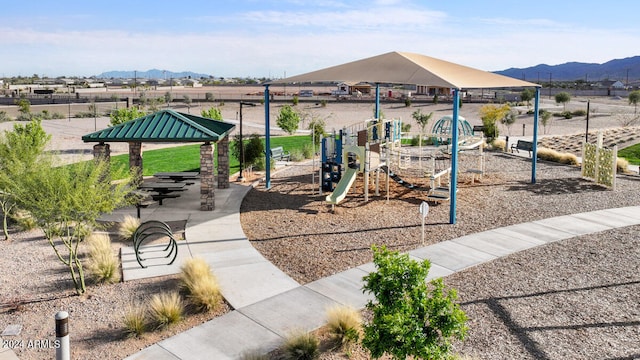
168, 126
410, 68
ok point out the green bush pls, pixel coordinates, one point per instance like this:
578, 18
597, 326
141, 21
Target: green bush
408, 318
4, 117
259, 164
301, 346
407, 102
579, 112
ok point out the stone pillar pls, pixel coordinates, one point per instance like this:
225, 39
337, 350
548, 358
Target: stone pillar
223, 163
207, 194
102, 151
135, 161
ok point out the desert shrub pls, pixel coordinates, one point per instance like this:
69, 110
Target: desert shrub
564, 114
415, 140
499, 144
301, 346
407, 102
254, 355
200, 285
166, 309
296, 155
23, 219
579, 112
307, 150
135, 320
555, 156
128, 227
4, 117
410, 318
259, 164
344, 324
295, 100
323, 103
101, 261
622, 165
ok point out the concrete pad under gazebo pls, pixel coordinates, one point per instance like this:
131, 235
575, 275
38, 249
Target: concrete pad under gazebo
168, 126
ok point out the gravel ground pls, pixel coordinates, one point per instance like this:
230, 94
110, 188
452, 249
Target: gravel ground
36, 285
574, 299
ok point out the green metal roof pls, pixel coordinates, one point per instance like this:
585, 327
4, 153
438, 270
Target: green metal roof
164, 126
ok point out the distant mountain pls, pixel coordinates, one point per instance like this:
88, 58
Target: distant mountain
151, 74
618, 69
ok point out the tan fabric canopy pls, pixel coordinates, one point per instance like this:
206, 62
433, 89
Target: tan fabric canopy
408, 68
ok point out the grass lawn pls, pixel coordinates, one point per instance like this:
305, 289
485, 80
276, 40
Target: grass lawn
632, 154
187, 157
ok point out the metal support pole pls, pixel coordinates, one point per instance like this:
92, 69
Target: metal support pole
267, 139
534, 155
453, 183
62, 336
377, 101
586, 132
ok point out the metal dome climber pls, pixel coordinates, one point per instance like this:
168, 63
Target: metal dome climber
442, 129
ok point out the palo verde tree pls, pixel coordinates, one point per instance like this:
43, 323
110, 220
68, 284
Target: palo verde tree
634, 98
563, 98
65, 202
490, 114
288, 119
19, 152
410, 318
508, 120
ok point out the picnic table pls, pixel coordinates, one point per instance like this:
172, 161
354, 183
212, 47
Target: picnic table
164, 190
178, 176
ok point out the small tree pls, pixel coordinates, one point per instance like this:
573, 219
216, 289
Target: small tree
408, 318
24, 107
545, 117
213, 113
66, 202
288, 119
168, 98
187, 101
423, 121
527, 95
634, 98
508, 120
490, 114
563, 98
123, 115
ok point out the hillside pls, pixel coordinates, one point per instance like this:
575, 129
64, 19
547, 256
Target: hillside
618, 69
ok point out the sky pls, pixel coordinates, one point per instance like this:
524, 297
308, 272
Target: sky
279, 38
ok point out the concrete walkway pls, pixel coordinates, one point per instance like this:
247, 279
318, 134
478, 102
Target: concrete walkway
269, 305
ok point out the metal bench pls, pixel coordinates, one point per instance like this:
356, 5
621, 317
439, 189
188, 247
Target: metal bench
278, 153
522, 145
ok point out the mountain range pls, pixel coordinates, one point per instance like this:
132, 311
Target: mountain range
625, 70
151, 74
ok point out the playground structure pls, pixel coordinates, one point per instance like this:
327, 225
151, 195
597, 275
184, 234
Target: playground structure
375, 146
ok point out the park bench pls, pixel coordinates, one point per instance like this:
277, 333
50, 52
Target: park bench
522, 145
278, 153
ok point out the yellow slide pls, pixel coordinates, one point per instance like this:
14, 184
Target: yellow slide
343, 186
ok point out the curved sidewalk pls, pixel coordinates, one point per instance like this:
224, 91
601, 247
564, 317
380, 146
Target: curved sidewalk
269, 305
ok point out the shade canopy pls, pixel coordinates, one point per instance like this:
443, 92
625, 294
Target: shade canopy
408, 68
164, 126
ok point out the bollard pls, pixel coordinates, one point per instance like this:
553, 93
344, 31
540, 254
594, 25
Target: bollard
62, 336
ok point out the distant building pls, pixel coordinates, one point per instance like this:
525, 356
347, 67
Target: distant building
610, 84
